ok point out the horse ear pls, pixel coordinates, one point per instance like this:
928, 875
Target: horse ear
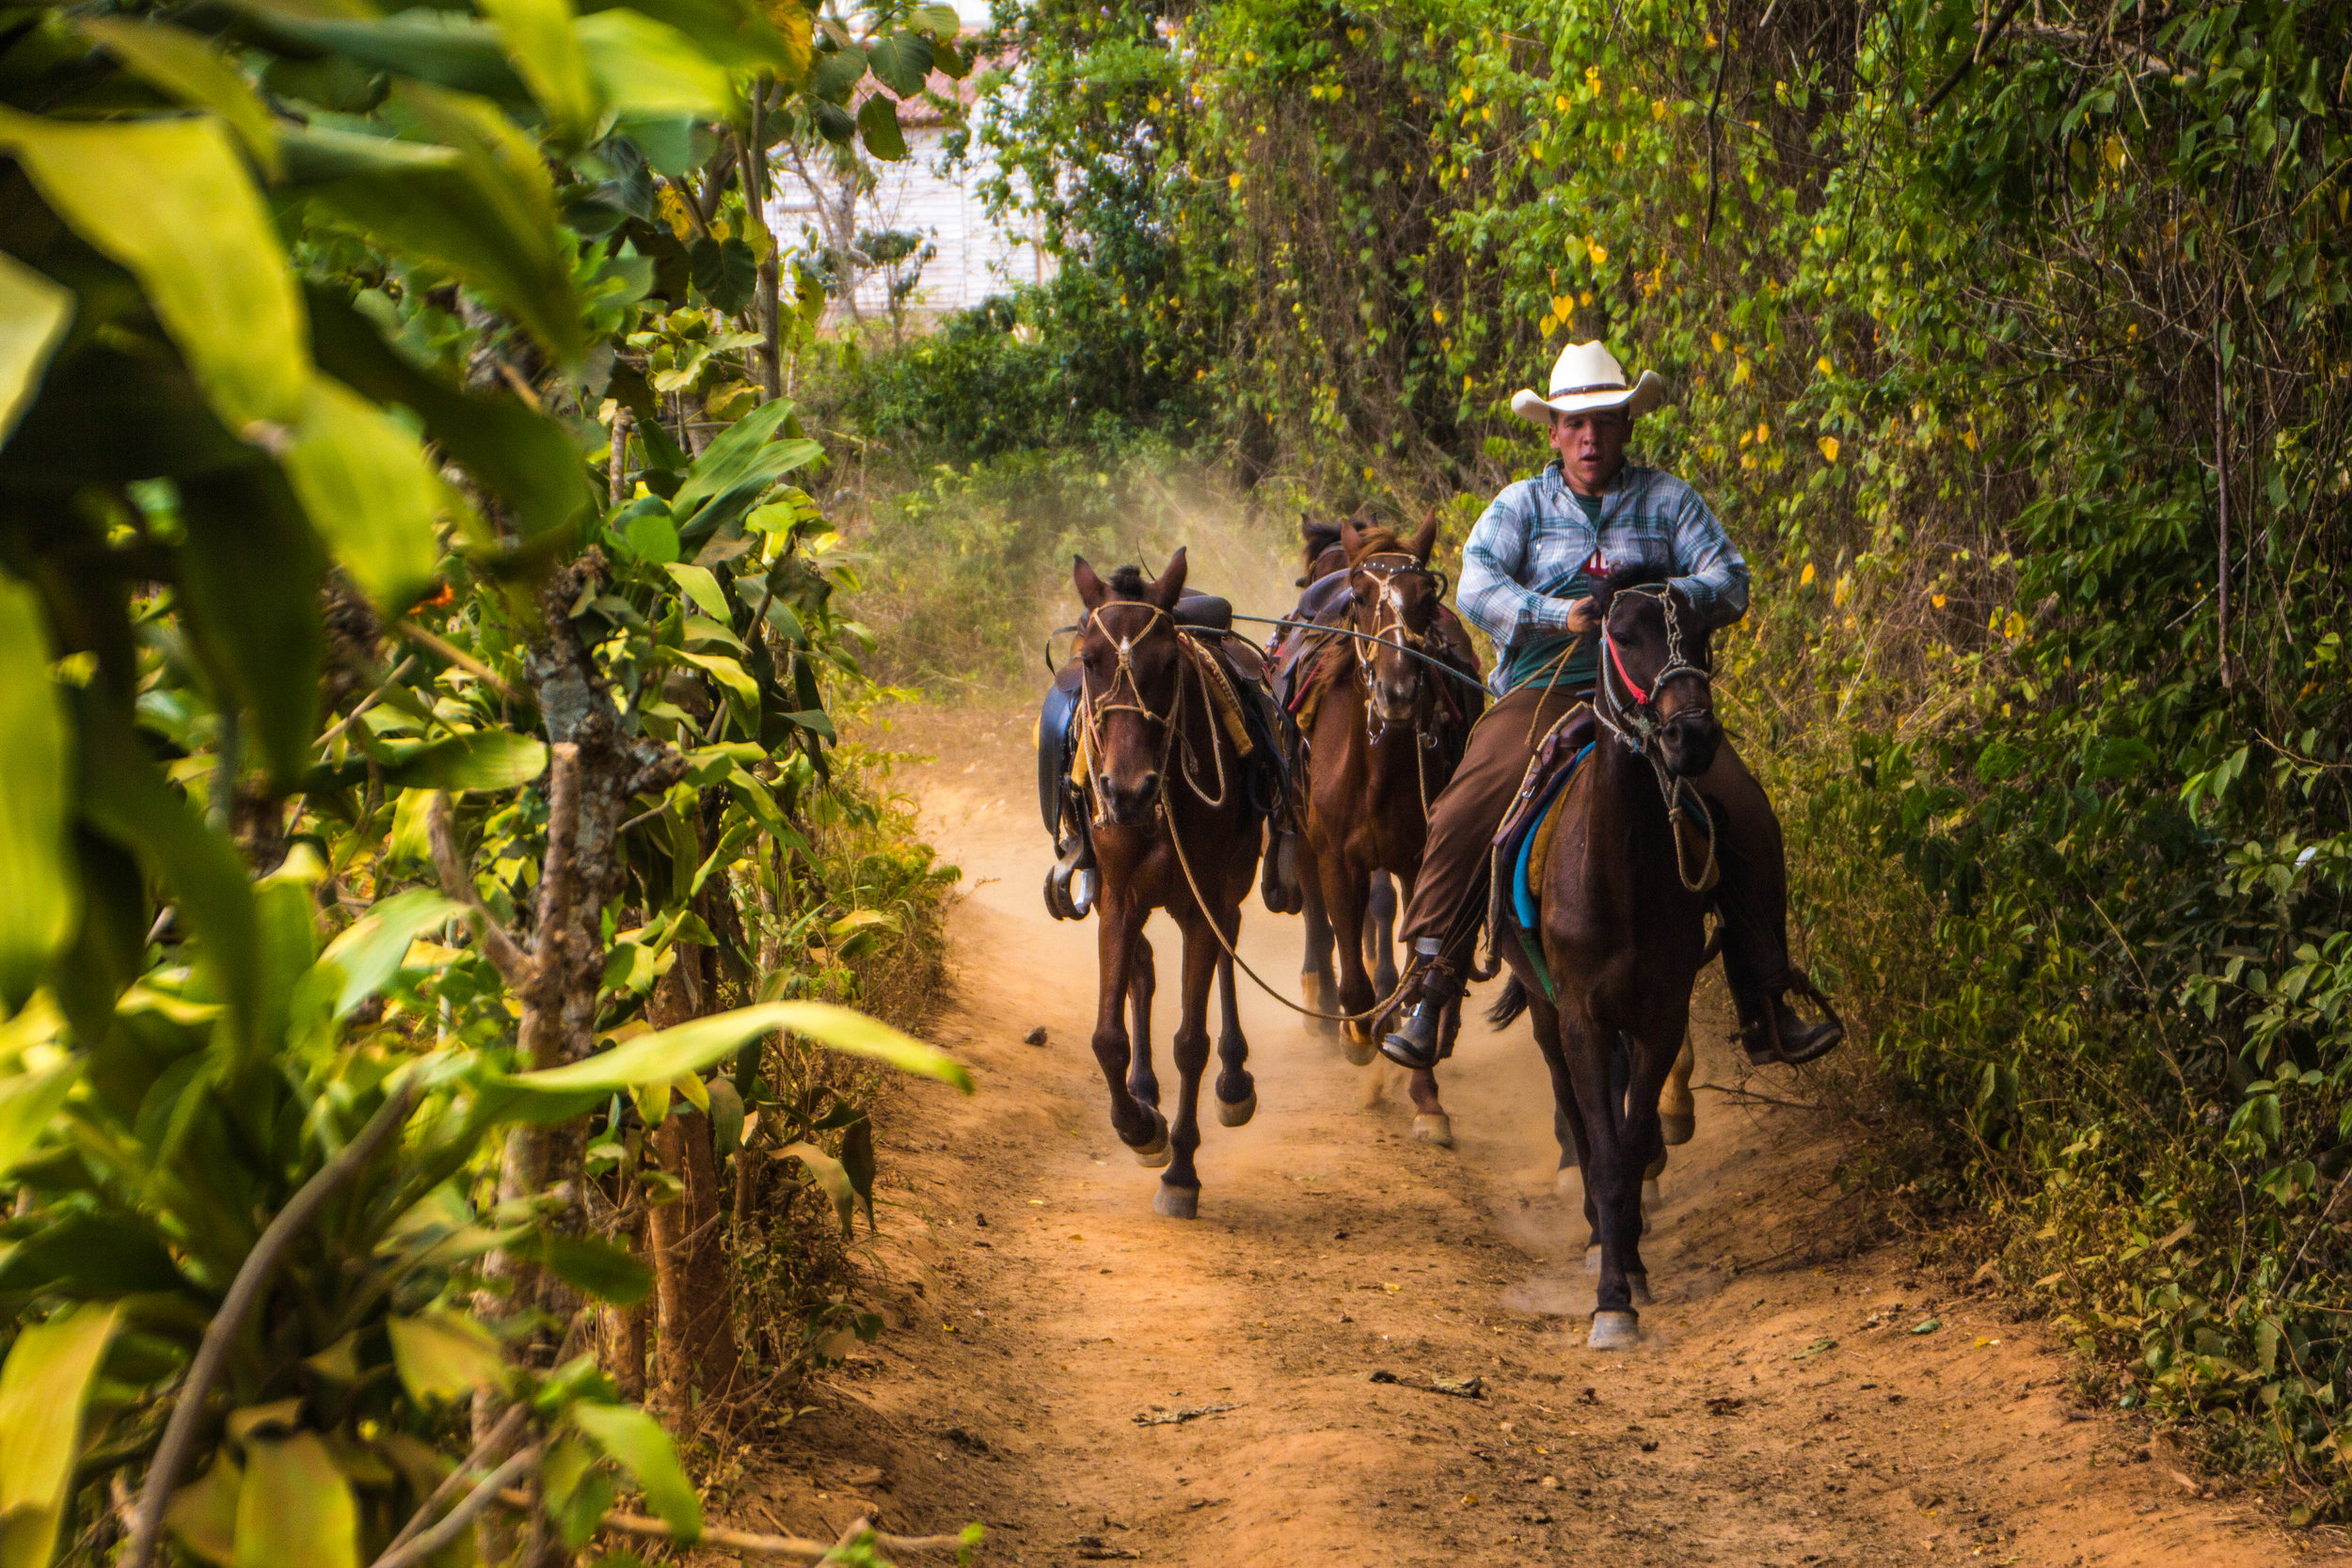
1426, 539
1349, 538
1170, 587
1091, 590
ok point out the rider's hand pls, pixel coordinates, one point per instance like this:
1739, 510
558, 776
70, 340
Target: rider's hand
1583, 618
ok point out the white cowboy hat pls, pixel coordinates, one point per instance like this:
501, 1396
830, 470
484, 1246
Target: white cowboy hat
1585, 379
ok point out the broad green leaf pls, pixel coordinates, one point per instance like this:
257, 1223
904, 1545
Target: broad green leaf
726, 271
726, 1111
170, 200
636, 1442
364, 480
901, 62
38, 915
126, 798
703, 588
741, 35
646, 67
441, 47
831, 1173
33, 314
476, 759
669, 1053
370, 953
878, 126
482, 207
203, 1514
746, 454
598, 1268
524, 456
295, 1508
185, 66
742, 689
27, 1101
857, 1158
542, 44
442, 1355
44, 1390
250, 574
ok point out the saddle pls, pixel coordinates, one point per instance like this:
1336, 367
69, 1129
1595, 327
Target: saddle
1521, 843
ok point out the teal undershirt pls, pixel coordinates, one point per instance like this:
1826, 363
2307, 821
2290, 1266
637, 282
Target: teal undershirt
1532, 663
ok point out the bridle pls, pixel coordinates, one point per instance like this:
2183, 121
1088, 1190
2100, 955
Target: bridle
1627, 710
1093, 706
1388, 623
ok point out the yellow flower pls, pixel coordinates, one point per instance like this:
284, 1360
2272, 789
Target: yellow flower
1824, 365
1763, 433
1658, 108
1562, 306
1560, 101
2015, 627
1232, 180
1804, 578
1936, 600
1599, 254
1829, 448
1437, 313
1718, 339
1968, 439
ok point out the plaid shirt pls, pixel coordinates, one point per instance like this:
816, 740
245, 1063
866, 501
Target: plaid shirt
1524, 564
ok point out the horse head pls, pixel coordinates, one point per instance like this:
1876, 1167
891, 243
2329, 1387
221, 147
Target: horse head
1654, 668
1132, 683
1319, 541
1397, 599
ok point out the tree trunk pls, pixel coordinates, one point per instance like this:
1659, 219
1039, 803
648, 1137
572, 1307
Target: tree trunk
697, 1357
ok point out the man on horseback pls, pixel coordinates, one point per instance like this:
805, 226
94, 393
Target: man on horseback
1528, 573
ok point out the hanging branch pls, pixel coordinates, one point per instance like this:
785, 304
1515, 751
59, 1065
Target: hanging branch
2221, 482
1985, 40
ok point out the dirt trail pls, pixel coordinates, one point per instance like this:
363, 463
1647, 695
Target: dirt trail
1780, 1411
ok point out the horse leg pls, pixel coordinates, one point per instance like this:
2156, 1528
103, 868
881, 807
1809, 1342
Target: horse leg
1315, 976
1380, 934
1179, 1196
1652, 1059
1678, 1112
1565, 1129
1430, 1122
1344, 897
1611, 1197
1143, 984
1139, 1125
1237, 1091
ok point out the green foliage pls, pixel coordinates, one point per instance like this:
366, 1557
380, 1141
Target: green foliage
1967, 338
308, 591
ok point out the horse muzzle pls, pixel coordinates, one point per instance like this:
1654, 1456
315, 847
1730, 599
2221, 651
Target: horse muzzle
1688, 742
1129, 802
1395, 702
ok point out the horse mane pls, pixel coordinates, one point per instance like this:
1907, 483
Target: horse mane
1378, 538
1128, 582
1632, 577
1316, 536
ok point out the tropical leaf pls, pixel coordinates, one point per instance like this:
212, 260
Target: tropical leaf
878, 125
446, 48
444, 1355
169, 200
598, 1268
901, 62
295, 1508
191, 69
475, 759
365, 483
372, 951
45, 1388
544, 46
33, 314
644, 67
38, 914
250, 573
636, 1442
831, 1173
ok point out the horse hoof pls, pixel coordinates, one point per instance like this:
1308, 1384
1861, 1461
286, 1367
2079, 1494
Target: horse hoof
1152, 1155
1676, 1130
1356, 1043
1436, 1129
1591, 1259
1613, 1331
1640, 1285
1176, 1203
1239, 1113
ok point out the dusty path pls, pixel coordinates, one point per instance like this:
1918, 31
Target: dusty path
1781, 1411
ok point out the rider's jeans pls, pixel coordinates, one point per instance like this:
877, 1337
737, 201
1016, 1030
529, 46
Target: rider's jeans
1464, 818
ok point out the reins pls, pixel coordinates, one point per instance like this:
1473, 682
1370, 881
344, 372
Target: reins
1636, 728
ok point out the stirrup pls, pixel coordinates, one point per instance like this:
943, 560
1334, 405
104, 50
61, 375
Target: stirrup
1070, 885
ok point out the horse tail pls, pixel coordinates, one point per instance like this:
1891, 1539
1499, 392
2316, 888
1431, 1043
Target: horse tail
1508, 1006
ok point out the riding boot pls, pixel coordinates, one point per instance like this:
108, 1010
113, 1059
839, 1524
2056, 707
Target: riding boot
1771, 1030
1278, 886
1415, 1042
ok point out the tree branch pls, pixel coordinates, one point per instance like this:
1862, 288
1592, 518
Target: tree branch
1984, 40
482, 1496
459, 657
514, 966
483, 1451
718, 1538
245, 1294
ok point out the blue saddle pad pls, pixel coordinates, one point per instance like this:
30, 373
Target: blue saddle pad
1516, 855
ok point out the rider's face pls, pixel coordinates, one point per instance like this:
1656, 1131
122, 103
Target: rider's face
1591, 447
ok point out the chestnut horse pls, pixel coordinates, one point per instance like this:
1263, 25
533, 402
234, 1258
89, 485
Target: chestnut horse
1382, 731
1623, 917
1171, 813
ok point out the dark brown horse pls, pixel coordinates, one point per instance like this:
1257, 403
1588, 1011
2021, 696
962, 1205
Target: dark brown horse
1623, 921
1162, 771
1382, 731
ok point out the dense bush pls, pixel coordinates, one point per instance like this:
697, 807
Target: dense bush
2014, 345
